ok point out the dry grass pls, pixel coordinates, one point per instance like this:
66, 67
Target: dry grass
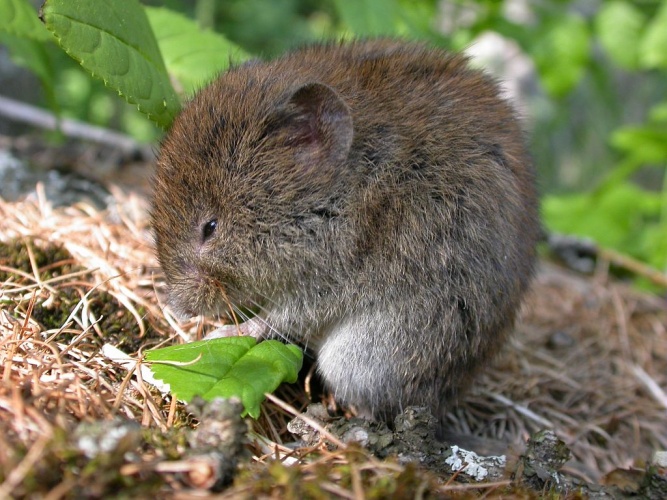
589, 361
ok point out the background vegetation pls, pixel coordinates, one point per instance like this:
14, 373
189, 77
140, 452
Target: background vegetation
589, 77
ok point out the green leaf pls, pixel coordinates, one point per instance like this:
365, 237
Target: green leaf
226, 367
561, 54
647, 143
33, 55
114, 42
616, 217
368, 17
24, 35
619, 27
658, 112
30, 54
416, 20
653, 48
19, 18
193, 56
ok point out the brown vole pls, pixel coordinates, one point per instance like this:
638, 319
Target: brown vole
373, 201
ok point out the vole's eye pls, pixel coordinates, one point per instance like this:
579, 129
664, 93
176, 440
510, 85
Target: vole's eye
208, 229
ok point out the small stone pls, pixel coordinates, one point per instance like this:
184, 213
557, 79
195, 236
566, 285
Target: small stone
473, 465
560, 340
544, 457
659, 459
300, 428
112, 438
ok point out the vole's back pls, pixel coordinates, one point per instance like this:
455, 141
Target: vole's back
383, 203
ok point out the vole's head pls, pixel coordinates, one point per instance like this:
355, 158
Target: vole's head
246, 188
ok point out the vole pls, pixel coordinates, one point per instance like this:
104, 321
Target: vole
372, 201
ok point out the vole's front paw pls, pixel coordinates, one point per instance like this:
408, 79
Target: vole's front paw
252, 328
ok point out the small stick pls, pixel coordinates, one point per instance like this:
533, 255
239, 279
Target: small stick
26, 113
290, 409
633, 265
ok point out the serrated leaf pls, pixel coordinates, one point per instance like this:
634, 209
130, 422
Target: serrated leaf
619, 27
19, 18
193, 56
114, 42
226, 367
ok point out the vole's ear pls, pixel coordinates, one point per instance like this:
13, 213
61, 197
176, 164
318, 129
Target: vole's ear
318, 124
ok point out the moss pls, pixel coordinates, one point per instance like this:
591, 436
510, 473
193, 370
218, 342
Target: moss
62, 462
51, 260
116, 322
283, 481
61, 305
167, 445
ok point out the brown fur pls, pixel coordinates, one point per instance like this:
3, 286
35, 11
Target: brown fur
374, 200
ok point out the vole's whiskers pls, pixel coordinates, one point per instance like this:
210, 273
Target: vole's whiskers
262, 319
247, 310
230, 306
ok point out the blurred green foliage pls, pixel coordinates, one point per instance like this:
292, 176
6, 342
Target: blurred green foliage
596, 104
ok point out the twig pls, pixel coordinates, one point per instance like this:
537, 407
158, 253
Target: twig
633, 265
652, 386
19, 472
26, 113
473, 486
290, 409
521, 409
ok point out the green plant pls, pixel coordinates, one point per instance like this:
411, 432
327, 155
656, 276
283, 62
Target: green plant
114, 42
25, 36
620, 213
136, 51
226, 367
